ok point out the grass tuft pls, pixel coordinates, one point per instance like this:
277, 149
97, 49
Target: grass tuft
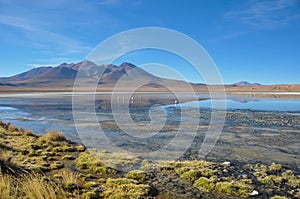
275, 167
205, 184
53, 136
13, 128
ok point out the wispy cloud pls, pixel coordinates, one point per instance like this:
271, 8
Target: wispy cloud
58, 28
38, 65
53, 61
59, 31
43, 39
16, 22
228, 36
269, 14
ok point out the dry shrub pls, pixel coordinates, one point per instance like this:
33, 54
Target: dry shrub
33, 186
39, 186
69, 177
7, 187
69, 181
54, 136
12, 128
6, 125
26, 132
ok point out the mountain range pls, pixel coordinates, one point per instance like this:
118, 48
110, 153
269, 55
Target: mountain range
244, 83
63, 76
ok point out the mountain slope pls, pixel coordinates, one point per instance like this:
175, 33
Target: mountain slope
58, 73
58, 76
27, 75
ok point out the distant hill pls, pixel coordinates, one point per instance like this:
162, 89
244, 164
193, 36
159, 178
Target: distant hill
244, 83
4, 84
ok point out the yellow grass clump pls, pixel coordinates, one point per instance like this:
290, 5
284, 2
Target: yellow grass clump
53, 136
34, 186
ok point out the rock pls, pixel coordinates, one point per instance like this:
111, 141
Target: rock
243, 175
226, 163
253, 193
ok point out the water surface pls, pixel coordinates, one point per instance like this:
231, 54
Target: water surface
256, 129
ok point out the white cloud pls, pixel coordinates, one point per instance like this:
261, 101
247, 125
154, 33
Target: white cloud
38, 65
16, 22
53, 61
265, 14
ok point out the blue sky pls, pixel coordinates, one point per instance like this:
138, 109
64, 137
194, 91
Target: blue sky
256, 41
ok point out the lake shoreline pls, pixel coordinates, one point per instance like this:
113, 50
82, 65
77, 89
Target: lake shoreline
253, 95
276, 90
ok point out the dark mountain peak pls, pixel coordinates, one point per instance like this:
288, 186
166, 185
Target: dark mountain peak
59, 72
66, 65
128, 71
121, 69
121, 66
245, 83
83, 64
63, 65
42, 68
126, 64
110, 66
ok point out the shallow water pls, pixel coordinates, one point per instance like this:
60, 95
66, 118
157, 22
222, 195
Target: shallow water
260, 104
255, 130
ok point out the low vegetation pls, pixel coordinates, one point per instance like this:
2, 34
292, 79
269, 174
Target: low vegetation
53, 136
125, 188
51, 167
88, 162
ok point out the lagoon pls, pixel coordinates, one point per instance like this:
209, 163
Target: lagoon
255, 130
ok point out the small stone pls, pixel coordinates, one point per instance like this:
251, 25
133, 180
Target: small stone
226, 163
253, 193
242, 175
